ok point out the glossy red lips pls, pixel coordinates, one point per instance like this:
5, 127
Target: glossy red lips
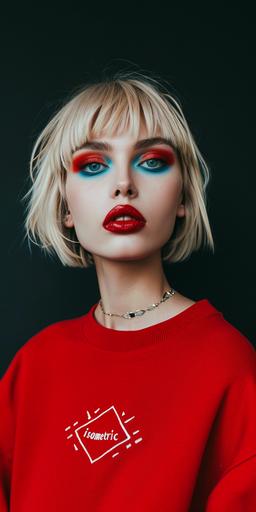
132, 225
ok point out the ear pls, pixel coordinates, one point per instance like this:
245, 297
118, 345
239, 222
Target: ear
181, 211
68, 220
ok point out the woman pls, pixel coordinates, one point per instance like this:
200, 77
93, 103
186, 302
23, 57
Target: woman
147, 402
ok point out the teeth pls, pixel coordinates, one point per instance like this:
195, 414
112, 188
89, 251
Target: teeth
124, 217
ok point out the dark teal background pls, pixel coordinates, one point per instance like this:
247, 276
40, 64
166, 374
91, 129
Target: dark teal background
208, 56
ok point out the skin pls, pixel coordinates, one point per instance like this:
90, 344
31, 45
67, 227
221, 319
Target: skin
129, 267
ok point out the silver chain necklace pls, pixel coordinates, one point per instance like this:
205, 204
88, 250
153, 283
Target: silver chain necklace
140, 312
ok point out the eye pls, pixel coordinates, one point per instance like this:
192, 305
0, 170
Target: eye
154, 163
88, 166
92, 168
157, 160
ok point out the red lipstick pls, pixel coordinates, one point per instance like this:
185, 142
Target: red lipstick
135, 223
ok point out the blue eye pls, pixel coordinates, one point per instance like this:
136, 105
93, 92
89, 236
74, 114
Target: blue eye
92, 168
153, 167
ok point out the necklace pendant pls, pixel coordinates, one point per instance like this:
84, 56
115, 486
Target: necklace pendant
167, 295
132, 314
153, 306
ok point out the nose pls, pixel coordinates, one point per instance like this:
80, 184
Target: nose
125, 189
124, 184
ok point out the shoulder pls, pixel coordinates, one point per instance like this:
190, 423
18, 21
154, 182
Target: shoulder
49, 341
227, 344
50, 334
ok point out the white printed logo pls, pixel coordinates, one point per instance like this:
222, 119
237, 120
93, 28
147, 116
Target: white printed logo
102, 434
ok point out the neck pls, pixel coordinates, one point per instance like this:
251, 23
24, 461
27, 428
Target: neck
130, 285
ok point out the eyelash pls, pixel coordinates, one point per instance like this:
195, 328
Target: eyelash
82, 167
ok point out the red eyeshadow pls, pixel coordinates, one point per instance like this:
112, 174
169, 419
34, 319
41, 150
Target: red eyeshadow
166, 154
81, 160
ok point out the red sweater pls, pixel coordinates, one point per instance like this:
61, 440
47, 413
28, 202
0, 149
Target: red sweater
161, 419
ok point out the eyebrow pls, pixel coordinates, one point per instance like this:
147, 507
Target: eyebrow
140, 144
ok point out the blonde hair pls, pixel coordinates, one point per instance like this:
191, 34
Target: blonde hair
113, 105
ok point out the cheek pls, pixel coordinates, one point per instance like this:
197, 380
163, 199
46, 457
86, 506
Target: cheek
71, 189
167, 194
80, 200
165, 201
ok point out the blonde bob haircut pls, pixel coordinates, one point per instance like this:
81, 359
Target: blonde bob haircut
111, 106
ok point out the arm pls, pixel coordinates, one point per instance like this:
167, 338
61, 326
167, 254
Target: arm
236, 490
234, 446
8, 388
227, 477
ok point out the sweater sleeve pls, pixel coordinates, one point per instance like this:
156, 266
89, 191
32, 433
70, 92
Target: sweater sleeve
8, 397
227, 477
236, 490
234, 446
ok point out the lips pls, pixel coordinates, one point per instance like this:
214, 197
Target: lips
122, 210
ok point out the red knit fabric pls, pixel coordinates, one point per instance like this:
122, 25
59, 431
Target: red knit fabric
161, 419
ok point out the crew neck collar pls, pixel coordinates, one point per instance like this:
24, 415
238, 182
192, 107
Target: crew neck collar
117, 340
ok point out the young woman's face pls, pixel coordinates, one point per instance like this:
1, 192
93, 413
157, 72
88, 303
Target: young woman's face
147, 177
